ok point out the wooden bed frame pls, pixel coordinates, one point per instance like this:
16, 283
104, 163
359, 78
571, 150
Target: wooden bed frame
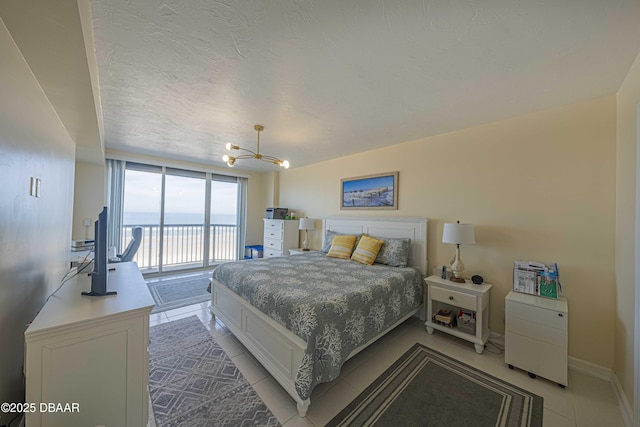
278, 349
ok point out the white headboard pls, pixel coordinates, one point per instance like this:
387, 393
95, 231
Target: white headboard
413, 228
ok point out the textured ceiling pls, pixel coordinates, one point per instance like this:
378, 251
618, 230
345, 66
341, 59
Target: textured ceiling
180, 78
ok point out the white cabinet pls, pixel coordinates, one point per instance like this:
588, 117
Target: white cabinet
443, 293
280, 235
536, 335
91, 353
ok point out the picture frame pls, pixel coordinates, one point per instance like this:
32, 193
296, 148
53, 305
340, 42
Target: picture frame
379, 191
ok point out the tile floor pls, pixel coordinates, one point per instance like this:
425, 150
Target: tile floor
587, 401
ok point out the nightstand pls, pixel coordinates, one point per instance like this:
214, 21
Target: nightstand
300, 251
468, 299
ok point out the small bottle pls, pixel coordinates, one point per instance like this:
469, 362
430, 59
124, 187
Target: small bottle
293, 215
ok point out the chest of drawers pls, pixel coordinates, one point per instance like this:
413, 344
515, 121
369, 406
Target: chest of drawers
280, 235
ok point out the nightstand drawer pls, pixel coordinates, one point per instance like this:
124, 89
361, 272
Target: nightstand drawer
453, 298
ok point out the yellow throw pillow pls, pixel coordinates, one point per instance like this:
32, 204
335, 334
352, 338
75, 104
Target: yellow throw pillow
367, 250
342, 246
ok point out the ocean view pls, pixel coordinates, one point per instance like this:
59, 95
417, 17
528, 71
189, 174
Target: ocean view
142, 218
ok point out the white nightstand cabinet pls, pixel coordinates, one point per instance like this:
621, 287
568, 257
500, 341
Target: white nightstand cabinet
443, 293
280, 235
536, 335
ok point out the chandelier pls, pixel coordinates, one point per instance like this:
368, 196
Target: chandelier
231, 160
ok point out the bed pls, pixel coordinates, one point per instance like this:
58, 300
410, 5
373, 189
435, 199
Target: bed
304, 315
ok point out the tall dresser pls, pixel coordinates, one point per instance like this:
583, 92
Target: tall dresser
280, 235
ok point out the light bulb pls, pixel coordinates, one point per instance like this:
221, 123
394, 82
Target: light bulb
228, 146
225, 158
285, 164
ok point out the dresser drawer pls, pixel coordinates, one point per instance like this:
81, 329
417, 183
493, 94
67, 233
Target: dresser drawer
273, 224
273, 233
270, 253
539, 316
456, 298
275, 244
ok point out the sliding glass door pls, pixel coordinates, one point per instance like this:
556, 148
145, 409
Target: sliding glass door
190, 218
142, 206
223, 220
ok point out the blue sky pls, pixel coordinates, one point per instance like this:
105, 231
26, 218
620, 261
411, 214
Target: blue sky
367, 184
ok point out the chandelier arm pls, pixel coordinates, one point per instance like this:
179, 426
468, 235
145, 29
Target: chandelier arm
249, 151
270, 158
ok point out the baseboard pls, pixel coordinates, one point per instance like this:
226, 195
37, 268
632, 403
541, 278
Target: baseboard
625, 408
608, 375
590, 369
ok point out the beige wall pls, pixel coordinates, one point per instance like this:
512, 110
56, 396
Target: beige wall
628, 100
538, 187
89, 197
34, 232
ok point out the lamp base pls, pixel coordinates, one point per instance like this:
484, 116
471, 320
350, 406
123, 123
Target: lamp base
457, 279
306, 249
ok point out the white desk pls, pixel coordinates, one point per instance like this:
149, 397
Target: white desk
91, 351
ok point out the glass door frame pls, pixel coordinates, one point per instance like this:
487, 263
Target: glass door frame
160, 267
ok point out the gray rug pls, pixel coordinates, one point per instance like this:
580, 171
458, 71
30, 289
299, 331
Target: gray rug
427, 388
179, 292
193, 383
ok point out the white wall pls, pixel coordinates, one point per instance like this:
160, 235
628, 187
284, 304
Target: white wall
89, 197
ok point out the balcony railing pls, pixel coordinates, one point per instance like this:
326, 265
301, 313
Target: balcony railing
183, 244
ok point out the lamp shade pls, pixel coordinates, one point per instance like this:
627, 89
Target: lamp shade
459, 234
306, 224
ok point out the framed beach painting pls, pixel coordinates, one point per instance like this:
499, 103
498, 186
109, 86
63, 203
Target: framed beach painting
370, 192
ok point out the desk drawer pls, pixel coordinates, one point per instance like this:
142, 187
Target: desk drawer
455, 298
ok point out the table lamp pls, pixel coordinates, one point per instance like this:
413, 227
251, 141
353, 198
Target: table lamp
306, 224
458, 234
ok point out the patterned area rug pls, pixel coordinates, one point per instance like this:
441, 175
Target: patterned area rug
427, 388
193, 383
170, 293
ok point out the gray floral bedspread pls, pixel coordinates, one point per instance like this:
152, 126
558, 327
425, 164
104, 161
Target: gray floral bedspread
334, 305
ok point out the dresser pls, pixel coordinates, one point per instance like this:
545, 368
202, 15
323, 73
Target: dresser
280, 235
91, 353
536, 335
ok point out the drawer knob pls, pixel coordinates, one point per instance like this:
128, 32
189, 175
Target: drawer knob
450, 298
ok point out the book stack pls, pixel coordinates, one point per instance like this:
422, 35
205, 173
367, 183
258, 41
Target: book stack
445, 317
82, 245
